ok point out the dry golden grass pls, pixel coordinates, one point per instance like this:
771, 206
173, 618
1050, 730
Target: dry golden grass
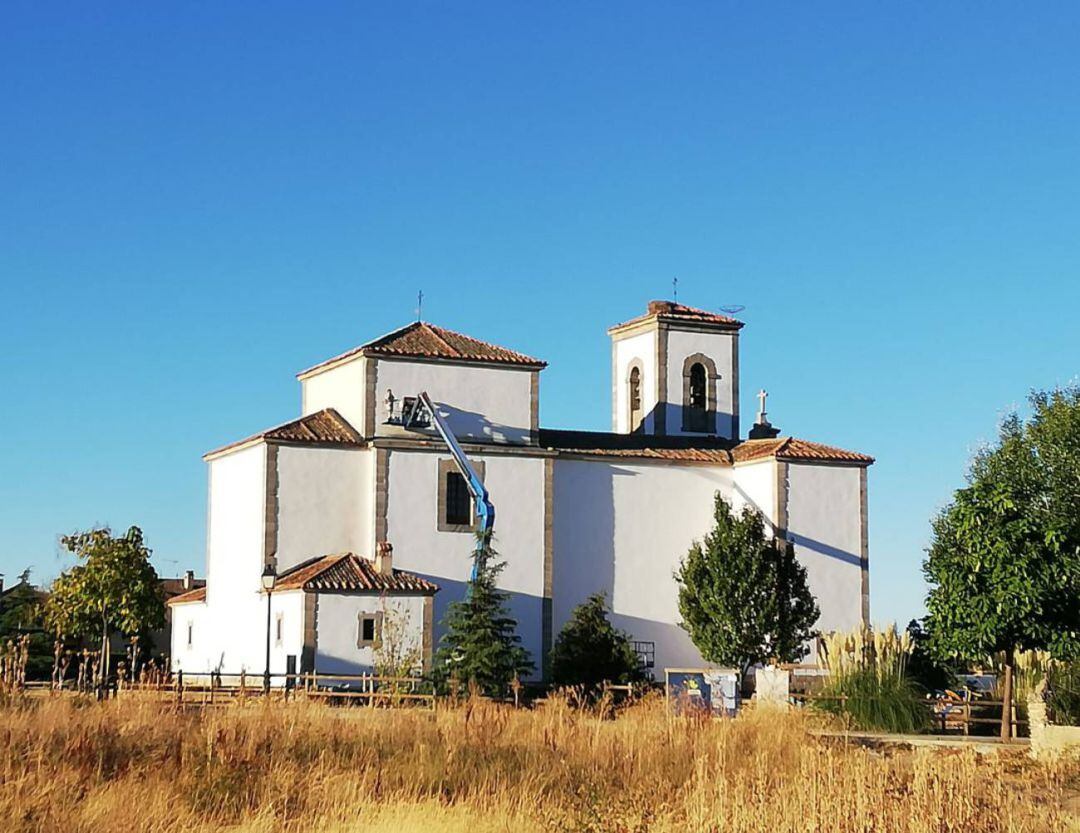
135, 765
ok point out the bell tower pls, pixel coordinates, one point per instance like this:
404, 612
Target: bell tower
675, 372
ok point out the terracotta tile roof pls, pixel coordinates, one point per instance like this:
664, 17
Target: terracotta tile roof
679, 313
196, 595
325, 427
350, 572
426, 341
682, 455
791, 448
716, 450
640, 446
175, 586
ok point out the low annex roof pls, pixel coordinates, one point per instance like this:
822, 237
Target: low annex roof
792, 448
422, 340
675, 313
714, 450
349, 572
325, 427
196, 595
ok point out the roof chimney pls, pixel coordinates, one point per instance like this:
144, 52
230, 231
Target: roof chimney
189, 579
384, 558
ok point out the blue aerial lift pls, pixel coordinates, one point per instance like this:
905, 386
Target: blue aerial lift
419, 412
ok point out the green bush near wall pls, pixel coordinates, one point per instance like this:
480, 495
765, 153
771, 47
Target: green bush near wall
874, 702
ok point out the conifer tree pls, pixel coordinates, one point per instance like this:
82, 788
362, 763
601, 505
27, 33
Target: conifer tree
590, 650
743, 594
480, 644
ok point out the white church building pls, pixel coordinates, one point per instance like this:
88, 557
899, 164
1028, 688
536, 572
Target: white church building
361, 519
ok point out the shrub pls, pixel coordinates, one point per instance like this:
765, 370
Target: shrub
1063, 694
868, 669
887, 704
589, 650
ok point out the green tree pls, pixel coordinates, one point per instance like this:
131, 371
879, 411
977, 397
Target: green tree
21, 615
480, 644
589, 650
743, 594
114, 589
924, 667
1003, 565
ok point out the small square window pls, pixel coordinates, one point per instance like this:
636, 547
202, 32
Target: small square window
369, 630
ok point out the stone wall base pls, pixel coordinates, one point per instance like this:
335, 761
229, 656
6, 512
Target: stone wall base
1049, 742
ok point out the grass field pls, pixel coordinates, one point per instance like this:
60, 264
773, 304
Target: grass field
134, 765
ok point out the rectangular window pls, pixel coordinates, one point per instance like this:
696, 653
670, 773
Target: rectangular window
458, 500
189, 634
368, 630
455, 508
279, 628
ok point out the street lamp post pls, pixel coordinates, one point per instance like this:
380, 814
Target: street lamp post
269, 578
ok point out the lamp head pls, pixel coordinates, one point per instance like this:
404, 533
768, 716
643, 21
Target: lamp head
269, 577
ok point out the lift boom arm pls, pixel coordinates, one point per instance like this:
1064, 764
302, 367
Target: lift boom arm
485, 509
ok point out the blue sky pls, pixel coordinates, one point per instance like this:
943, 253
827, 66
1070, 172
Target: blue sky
196, 202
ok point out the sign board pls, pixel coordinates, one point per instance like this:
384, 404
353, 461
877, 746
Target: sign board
773, 685
713, 690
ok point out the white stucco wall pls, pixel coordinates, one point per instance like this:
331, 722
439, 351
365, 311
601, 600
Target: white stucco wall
337, 622
342, 387
230, 628
181, 655
479, 403
222, 642
755, 485
720, 348
516, 485
824, 522
324, 503
237, 512
623, 528
640, 347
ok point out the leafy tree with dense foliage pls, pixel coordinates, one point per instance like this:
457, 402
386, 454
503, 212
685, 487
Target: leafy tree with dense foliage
114, 589
21, 615
1003, 565
480, 644
590, 651
743, 594
924, 667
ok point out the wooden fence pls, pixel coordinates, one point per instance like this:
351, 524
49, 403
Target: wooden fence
219, 688
948, 715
